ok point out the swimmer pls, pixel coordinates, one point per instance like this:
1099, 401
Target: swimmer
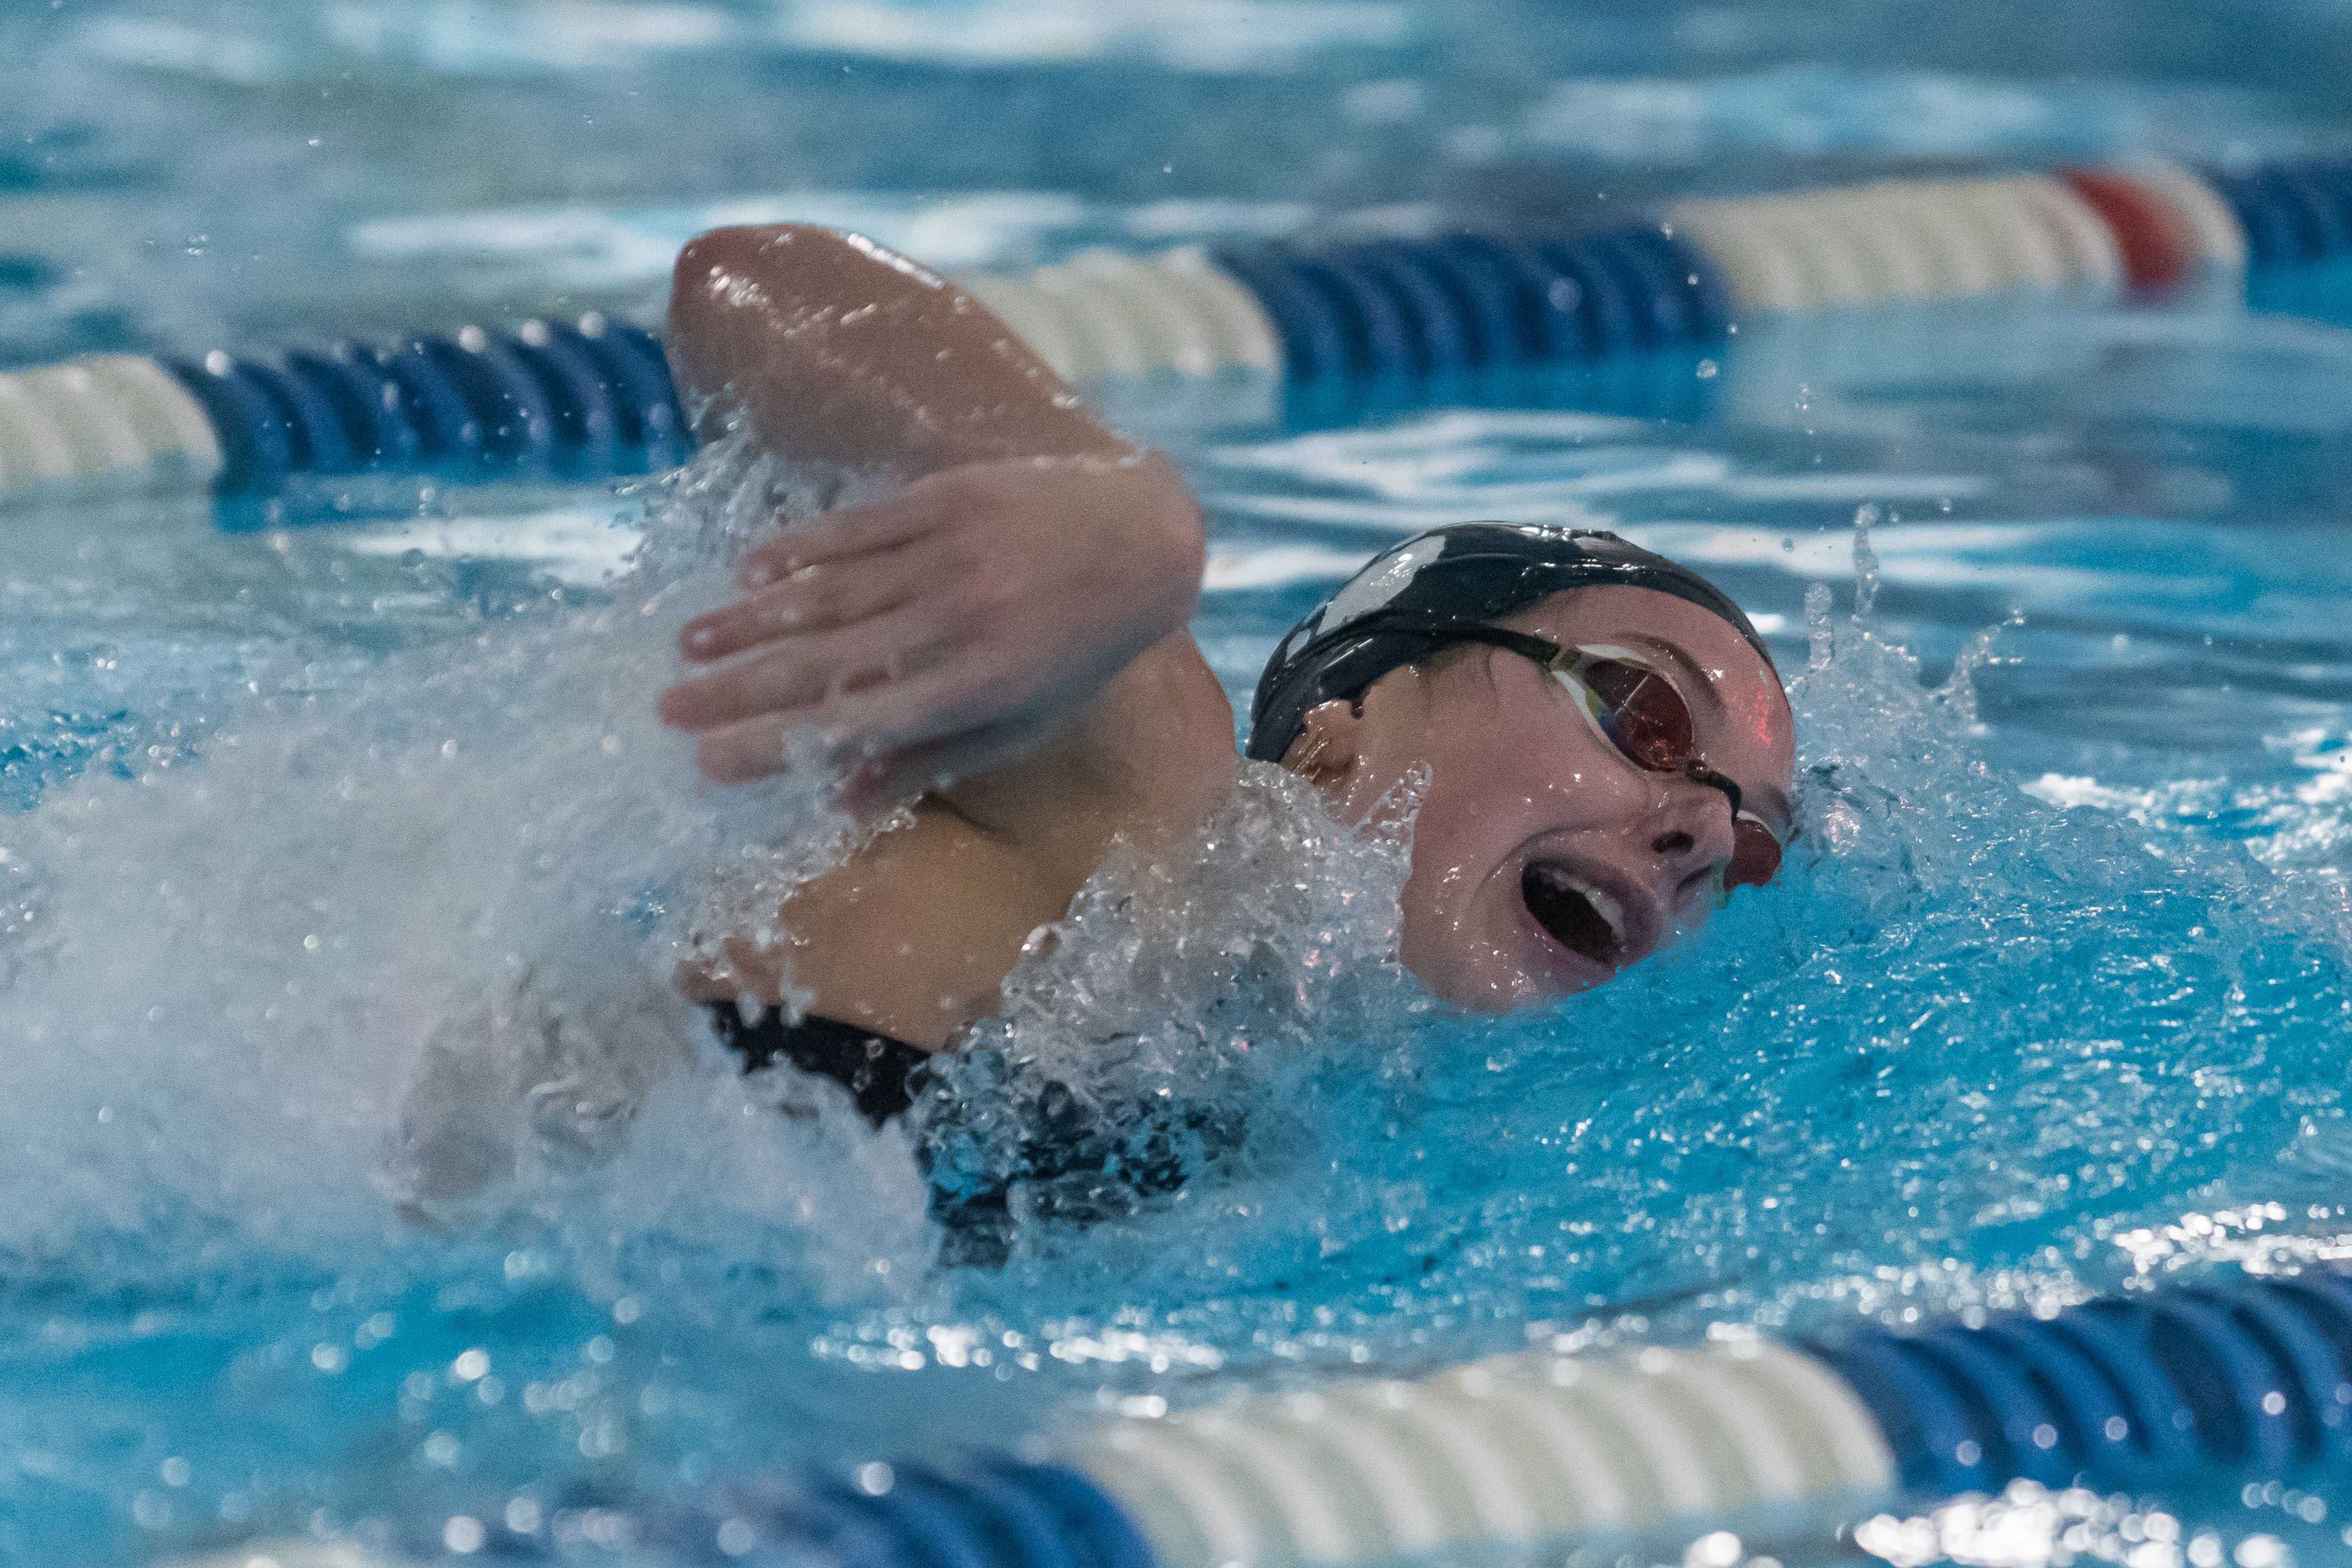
1002, 646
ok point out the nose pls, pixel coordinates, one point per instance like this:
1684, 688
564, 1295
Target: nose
1690, 834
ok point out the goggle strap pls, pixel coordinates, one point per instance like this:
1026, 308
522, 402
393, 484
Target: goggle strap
1560, 661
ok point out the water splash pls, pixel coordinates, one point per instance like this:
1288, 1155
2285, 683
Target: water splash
410, 937
1174, 1022
1820, 633
1866, 566
1971, 1049
1962, 1048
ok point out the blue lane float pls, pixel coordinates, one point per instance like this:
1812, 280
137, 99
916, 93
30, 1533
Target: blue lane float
256, 445
592, 400
1540, 304
1426, 308
2293, 213
2130, 1391
595, 400
2236, 1377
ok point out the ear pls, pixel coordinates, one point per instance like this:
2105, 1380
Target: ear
1328, 749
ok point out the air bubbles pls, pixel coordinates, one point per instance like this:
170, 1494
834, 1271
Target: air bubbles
1720, 1549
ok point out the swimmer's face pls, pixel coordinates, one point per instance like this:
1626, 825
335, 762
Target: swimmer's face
1544, 859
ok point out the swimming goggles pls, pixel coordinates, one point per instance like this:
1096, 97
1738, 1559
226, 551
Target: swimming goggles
1639, 711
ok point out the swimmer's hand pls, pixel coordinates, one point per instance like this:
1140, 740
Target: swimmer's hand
962, 624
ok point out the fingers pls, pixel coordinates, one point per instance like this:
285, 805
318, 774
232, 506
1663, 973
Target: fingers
894, 716
740, 753
813, 598
897, 715
912, 514
801, 673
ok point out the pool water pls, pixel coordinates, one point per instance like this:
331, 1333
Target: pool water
307, 831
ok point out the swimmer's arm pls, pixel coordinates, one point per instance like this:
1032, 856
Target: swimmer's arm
1006, 635
837, 350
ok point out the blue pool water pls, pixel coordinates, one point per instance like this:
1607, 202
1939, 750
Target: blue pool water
2053, 997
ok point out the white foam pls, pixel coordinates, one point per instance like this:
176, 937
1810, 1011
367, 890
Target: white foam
404, 948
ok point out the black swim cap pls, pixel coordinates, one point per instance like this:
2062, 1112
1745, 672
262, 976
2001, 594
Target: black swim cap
1396, 609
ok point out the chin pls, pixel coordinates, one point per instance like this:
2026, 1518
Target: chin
1489, 984
1525, 969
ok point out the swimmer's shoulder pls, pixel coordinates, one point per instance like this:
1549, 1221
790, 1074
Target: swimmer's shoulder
911, 936
1151, 758
914, 932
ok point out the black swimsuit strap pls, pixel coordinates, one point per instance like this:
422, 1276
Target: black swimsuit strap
874, 1068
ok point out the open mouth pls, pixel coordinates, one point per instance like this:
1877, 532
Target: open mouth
1579, 916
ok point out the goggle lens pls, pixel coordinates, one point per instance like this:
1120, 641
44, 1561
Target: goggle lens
1755, 854
1643, 715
